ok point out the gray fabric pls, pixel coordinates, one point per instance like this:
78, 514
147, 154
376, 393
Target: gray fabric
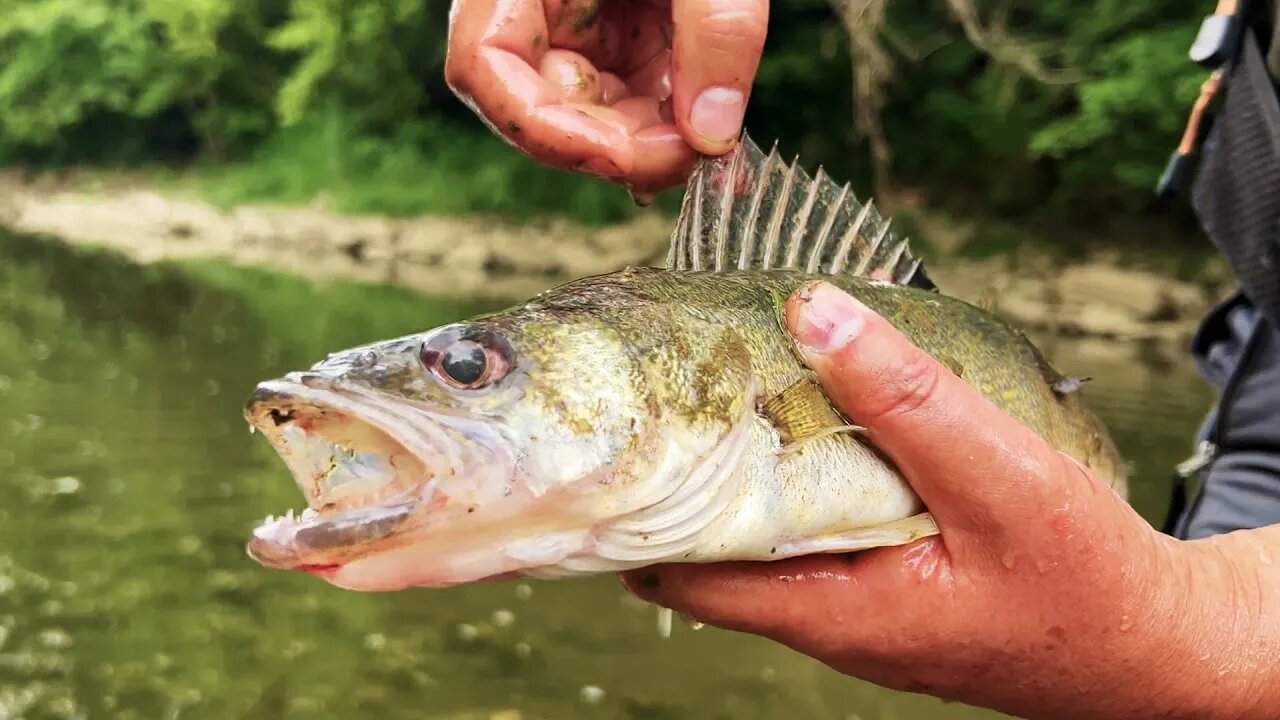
1239, 352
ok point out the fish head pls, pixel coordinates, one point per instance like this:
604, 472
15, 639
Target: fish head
471, 452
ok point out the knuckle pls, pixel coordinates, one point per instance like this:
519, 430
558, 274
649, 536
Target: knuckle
907, 388
734, 26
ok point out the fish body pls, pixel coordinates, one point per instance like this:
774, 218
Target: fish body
644, 416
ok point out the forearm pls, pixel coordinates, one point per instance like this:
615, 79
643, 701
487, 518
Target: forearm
1229, 629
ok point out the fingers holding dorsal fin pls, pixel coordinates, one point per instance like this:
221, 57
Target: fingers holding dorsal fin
748, 210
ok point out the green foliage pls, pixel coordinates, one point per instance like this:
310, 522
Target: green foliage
1127, 112
434, 167
365, 53
290, 99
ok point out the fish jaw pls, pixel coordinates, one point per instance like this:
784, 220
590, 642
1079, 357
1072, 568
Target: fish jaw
402, 496
374, 474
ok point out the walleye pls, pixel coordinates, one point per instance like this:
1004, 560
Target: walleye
645, 416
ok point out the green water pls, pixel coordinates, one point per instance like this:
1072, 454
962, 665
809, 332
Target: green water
128, 486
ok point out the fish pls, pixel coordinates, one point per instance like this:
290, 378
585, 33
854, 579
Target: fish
650, 415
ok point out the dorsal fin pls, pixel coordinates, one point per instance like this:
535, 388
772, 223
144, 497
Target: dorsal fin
749, 211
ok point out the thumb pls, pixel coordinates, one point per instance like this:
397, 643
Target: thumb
975, 467
715, 54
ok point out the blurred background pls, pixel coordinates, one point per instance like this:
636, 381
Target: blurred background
199, 194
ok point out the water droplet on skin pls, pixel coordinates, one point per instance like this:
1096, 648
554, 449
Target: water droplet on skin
1007, 560
1264, 557
1124, 624
503, 618
591, 694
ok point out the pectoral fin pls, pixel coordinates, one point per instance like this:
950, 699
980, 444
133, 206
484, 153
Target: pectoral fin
902, 532
802, 413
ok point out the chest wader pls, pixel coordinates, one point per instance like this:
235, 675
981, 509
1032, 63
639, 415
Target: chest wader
1236, 195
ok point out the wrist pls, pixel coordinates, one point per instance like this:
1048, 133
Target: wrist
1221, 617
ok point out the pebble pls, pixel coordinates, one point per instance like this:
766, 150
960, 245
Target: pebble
591, 694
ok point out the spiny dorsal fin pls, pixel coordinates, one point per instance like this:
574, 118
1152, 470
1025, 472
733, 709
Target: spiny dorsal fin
749, 211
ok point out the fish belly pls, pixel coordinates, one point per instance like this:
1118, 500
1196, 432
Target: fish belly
831, 494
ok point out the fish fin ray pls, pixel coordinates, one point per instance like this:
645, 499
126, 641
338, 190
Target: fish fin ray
800, 443
742, 209
802, 412
898, 532
1070, 385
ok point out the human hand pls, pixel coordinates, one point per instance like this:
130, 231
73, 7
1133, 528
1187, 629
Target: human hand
626, 90
1045, 594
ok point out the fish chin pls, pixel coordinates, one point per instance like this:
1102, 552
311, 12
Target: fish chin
374, 471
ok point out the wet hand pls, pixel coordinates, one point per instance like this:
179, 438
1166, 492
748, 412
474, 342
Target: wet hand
1044, 595
628, 90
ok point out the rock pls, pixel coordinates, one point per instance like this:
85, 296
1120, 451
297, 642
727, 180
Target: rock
1140, 296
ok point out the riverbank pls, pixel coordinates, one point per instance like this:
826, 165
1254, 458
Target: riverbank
491, 258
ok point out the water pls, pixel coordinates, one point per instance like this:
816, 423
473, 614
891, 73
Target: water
130, 485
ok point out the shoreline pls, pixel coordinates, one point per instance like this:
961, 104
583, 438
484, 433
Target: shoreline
488, 258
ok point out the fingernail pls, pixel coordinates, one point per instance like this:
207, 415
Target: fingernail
828, 319
717, 114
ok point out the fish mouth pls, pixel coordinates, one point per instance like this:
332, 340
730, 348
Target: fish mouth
365, 470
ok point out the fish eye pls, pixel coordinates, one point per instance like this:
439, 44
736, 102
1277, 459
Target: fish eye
464, 363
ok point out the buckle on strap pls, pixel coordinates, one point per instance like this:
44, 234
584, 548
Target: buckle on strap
1219, 35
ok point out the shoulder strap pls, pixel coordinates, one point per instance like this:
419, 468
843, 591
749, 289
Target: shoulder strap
1237, 189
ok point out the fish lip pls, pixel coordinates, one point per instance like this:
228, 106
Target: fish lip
333, 538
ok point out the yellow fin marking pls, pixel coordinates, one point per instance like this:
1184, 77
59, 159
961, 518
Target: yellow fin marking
802, 412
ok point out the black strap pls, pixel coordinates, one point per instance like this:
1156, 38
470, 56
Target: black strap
1237, 190
1177, 504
